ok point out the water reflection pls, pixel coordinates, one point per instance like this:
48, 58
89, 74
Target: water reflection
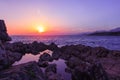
60, 63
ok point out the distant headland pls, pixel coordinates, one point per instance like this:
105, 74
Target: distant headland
113, 32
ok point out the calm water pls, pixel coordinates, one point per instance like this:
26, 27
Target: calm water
110, 42
60, 63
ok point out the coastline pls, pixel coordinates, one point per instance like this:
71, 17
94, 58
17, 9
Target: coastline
81, 62
73, 55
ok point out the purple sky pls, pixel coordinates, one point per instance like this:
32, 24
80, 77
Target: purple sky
72, 15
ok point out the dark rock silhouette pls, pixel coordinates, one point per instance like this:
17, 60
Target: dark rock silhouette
83, 70
105, 34
112, 32
51, 73
27, 71
43, 63
3, 32
7, 58
45, 57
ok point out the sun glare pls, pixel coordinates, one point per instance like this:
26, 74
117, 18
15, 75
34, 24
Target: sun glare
41, 29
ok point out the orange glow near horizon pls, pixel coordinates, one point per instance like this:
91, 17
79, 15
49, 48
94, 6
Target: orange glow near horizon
36, 28
41, 29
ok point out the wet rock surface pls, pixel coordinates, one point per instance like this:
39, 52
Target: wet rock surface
83, 62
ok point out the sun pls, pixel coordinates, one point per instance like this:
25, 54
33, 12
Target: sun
40, 29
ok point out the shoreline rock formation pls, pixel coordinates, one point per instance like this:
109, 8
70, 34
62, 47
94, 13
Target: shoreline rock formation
3, 32
83, 62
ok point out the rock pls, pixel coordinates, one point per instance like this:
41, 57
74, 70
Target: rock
51, 68
43, 63
53, 76
68, 70
27, 71
80, 51
3, 32
16, 47
33, 48
51, 73
46, 57
72, 62
37, 47
56, 54
87, 71
116, 53
53, 47
65, 56
100, 52
7, 58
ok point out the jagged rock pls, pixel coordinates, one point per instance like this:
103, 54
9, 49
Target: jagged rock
56, 54
54, 76
68, 70
51, 73
100, 52
43, 63
16, 47
116, 53
33, 48
51, 68
46, 57
27, 71
80, 51
53, 47
88, 71
7, 58
37, 47
3, 32
73, 61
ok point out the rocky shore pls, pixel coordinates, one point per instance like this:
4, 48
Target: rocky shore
83, 62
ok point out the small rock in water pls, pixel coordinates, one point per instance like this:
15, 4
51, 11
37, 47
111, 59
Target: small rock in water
43, 63
56, 54
46, 57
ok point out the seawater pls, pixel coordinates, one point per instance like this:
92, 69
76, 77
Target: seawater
109, 42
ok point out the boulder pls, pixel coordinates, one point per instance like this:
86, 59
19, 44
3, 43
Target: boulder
51, 68
36, 47
56, 54
46, 57
53, 47
43, 63
73, 61
7, 58
26, 71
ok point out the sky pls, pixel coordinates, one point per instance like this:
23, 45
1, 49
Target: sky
59, 16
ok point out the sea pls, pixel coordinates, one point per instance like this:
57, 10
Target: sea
109, 42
